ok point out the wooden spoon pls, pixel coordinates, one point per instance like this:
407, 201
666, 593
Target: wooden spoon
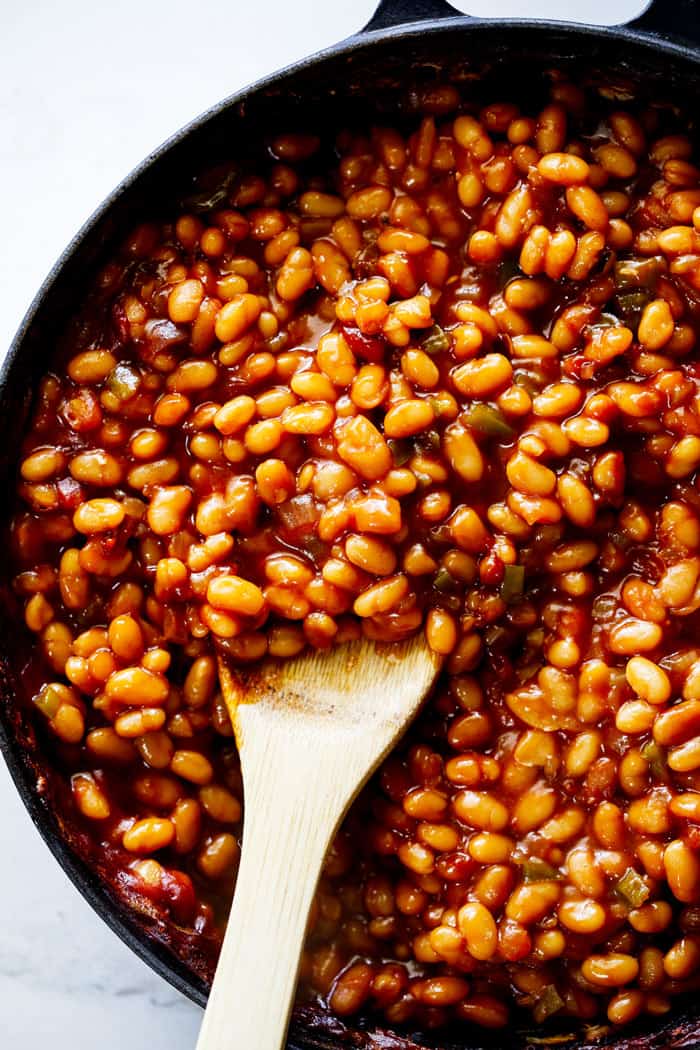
310, 732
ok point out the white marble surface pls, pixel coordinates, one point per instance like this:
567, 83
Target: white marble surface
87, 89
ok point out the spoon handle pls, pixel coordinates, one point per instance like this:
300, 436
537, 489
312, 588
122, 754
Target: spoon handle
293, 802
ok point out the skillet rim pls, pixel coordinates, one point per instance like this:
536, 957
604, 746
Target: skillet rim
127, 925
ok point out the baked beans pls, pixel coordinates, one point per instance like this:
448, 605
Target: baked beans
451, 385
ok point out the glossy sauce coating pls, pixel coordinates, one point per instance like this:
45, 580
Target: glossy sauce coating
451, 385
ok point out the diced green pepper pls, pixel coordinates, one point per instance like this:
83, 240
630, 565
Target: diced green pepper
493, 634
535, 638
635, 280
401, 450
529, 382
638, 273
444, 581
548, 1003
633, 888
630, 305
535, 869
490, 422
123, 381
656, 758
436, 340
513, 583
48, 701
526, 672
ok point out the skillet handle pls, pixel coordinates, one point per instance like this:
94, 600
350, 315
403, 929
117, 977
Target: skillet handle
402, 12
679, 20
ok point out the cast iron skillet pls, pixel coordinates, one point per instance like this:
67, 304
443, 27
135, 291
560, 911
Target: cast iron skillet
407, 43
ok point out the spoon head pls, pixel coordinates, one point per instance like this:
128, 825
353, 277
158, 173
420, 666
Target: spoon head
362, 687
